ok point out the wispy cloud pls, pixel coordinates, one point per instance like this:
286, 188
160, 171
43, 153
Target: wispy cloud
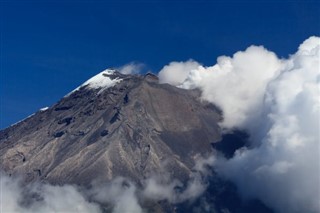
131, 68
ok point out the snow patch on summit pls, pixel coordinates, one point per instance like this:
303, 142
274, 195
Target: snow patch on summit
100, 81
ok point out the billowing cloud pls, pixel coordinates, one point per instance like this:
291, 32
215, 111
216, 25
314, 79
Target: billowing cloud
176, 72
277, 102
237, 84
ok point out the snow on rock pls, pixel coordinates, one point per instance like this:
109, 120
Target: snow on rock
100, 81
43, 109
16, 123
40, 110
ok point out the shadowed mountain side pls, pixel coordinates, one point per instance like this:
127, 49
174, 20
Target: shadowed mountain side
231, 142
220, 197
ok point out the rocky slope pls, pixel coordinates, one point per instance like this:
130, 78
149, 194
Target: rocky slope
112, 125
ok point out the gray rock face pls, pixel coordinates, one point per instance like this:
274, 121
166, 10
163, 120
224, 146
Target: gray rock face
131, 129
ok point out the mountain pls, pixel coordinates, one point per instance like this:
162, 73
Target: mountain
130, 131
112, 125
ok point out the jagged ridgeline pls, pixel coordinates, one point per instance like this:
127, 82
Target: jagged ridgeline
112, 125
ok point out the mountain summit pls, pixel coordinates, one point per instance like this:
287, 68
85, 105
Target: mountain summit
112, 125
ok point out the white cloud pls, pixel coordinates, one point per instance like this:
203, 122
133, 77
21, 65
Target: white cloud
34, 198
237, 84
176, 72
131, 68
277, 102
163, 187
120, 193
17, 196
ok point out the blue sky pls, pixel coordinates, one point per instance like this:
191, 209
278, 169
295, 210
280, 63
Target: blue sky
50, 47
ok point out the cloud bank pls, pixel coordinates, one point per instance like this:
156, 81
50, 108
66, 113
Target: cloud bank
277, 102
118, 196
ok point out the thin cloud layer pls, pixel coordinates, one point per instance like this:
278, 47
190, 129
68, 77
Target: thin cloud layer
277, 102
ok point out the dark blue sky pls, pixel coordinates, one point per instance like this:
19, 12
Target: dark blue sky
50, 47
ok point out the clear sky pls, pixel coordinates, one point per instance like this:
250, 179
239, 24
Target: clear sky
48, 48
